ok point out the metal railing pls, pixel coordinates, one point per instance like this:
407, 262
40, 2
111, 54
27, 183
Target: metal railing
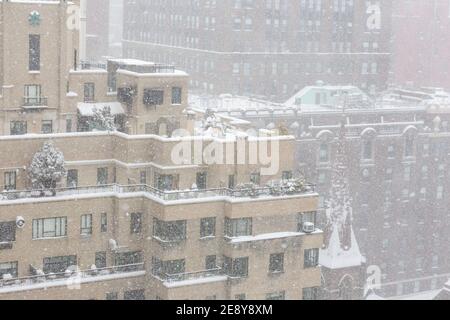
192, 275
72, 274
257, 192
35, 101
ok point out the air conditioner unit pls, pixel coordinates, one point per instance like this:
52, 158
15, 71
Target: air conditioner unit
308, 227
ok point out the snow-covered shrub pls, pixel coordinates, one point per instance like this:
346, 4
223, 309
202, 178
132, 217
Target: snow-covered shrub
47, 167
246, 189
103, 120
288, 186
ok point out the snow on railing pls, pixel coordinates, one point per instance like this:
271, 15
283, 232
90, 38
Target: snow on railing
72, 276
254, 192
192, 275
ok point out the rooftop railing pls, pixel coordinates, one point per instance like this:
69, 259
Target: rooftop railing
166, 195
71, 277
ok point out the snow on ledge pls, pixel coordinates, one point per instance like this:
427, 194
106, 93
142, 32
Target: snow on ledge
193, 282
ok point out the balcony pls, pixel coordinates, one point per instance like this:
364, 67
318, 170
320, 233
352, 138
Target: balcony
34, 102
146, 190
70, 278
192, 278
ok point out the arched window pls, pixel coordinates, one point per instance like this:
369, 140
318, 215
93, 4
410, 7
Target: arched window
346, 289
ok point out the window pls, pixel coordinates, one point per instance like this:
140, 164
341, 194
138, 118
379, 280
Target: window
100, 259
143, 177
311, 258
176, 95
391, 152
104, 222
207, 227
304, 217
169, 231
112, 296
9, 268
134, 295
409, 146
211, 262
10, 180
311, 293
89, 92
323, 153
166, 181
238, 227
231, 181
287, 175
18, 128
59, 264
32, 95
276, 296
102, 176
7, 232
72, 178
236, 268
367, 152
128, 260
69, 125
240, 296
136, 223
49, 228
86, 224
153, 97
276, 263
201, 180
34, 52
168, 269
47, 126
255, 178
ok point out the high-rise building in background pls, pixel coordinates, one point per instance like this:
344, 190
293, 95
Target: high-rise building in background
268, 48
97, 29
420, 43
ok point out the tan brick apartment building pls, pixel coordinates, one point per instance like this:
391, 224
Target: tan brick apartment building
127, 222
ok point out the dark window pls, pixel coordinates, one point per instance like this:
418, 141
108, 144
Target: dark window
104, 222
255, 178
134, 295
166, 182
239, 296
168, 269
311, 258
112, 296
311, 293
169, 231
34, 52
207, 227
231, 181
153, 97
210, 262
47, 126
9, 268
7, 231
69, 125
201, 180
89, 92
287, 175
276, 264
143, 177
176, 95
86, 224
136, 223
128, 259
236, 268
125, 95
10, 180
59, 264
100, 259
367, 152
238, 227
276, 296
18, 128
102, 176
409, 146
72, 178
323, 153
